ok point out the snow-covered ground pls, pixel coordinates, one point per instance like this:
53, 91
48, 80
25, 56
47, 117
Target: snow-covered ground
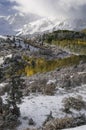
39, 106
3, 37
2, 58
2, 84
78, 128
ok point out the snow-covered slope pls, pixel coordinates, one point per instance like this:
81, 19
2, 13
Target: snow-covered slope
51, 24
12, 24
38, 26
5, 28
78, 128
24, 24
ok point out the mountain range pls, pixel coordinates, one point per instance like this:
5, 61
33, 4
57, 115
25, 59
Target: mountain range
25, 24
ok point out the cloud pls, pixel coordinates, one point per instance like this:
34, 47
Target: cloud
57, 8
6, 7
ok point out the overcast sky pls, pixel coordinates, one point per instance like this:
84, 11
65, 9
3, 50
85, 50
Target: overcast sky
50, 8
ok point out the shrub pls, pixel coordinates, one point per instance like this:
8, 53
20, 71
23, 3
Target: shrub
74, 103
66, 122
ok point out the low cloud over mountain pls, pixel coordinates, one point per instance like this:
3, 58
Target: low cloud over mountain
56, 8
20, 16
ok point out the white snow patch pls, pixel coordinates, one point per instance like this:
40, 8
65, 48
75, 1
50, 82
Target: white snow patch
4, 97
2, 58
77, 128
8, 56
3, 37
51, 81
81, 72
38, 107
2, 84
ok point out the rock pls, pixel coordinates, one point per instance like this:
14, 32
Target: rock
49, 117
31, 122
65, 82
49, 89
25, 118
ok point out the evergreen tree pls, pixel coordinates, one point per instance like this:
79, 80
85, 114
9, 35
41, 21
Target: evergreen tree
33, 64
1, 73
15, 93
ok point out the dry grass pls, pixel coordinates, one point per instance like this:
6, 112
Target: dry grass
67, 122
74, 103
43, 87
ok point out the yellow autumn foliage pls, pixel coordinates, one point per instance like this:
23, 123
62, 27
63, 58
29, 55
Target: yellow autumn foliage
42, 65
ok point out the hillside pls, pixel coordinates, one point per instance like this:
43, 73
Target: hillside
68, 40
42, 64
52, 24
42, 78
12, 24
30, 24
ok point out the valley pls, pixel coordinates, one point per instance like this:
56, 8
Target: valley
42, 65
43, 81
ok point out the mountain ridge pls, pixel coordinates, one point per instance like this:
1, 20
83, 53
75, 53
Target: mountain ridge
25, 24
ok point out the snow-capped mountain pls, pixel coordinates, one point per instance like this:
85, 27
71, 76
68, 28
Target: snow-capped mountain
52, 24
25, 24
13, 23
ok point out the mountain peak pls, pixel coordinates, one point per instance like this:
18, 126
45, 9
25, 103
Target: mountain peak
25, 24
